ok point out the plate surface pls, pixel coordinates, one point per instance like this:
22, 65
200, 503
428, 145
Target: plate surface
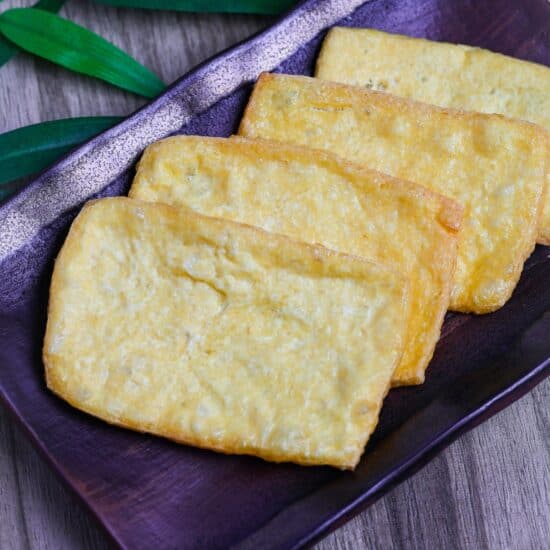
148, 492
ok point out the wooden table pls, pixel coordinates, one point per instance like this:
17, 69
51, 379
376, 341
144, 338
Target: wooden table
490, 489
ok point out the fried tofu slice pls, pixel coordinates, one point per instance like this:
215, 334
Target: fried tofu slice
317, 197
221, 335
494, 166
448, 75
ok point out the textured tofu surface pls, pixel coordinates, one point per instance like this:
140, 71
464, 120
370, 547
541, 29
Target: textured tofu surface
222, 335
448, 75
319, 198
494, 166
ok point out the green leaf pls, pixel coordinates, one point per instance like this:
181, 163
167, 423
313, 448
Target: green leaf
9, 49
269, 7
49, 5
30, 149
78, 49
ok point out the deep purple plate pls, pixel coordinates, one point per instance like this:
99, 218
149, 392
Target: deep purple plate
151, 493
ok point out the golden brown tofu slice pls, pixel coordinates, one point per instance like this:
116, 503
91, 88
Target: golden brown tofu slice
494, 166
222, 335
448, 75
317, 197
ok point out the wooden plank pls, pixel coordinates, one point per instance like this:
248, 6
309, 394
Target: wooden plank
13, 532
490, 489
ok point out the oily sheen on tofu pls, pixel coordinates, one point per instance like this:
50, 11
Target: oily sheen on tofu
317, 197
448, 75
221, 335
493, 166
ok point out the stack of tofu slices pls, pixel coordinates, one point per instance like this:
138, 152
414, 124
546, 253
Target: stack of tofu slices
260, 294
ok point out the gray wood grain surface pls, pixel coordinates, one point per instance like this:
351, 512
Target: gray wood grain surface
490, 489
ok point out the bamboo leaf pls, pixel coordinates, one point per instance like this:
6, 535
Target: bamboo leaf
49, 5
9, 49
268, 7
76, 48
28, 150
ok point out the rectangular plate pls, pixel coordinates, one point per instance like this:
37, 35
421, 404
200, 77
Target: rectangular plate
148, 492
